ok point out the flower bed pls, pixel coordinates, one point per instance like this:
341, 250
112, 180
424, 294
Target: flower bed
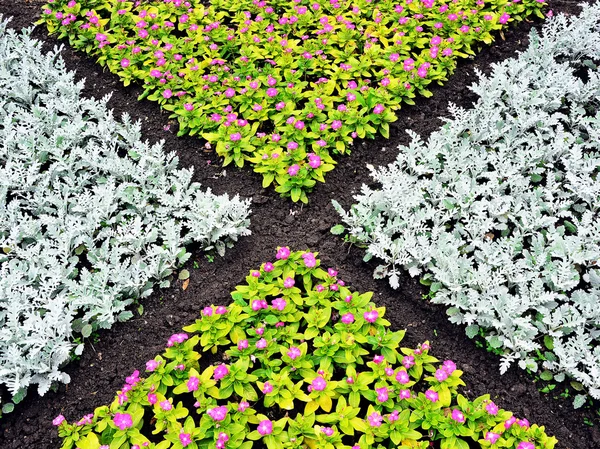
500, 207
283, 85
90, 216
299, 360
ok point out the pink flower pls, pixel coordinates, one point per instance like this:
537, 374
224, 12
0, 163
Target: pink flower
58, 420
509, 422
176, 338
193, 383
378, 359
492, 437
243, 406
267, 388
188, 107
402, 377
235, 137
375, 419
221, 371
289, 282
371, 316
441, 375
404, 394
336, 124
293, 170
279, 304
166, 405
294, 352
458, 416
185, 439
491, 408
268, 267
408, 361
525, 445
272, 92
382, 394
125, 62
503, 19
218, 413
432, 395
167, 93
449, 366
261, 344
123, 420
347, 318
265, 427
319, 384
378, 109
314, 161
283, 253
221, 310
242, 344
152, 398
394, 57
394, 416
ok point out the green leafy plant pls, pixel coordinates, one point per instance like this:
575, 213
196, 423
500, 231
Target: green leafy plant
298, 360
284, 85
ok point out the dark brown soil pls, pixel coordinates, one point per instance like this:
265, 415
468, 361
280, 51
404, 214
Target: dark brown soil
275, 221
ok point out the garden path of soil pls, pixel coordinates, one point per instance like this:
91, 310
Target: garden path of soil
278, 222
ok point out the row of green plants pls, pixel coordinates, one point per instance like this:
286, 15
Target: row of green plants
297, 360
283, 85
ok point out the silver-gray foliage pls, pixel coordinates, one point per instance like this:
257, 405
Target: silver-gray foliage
501, 205
90, 216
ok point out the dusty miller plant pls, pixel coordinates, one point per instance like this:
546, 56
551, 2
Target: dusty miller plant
90, 216
500, 206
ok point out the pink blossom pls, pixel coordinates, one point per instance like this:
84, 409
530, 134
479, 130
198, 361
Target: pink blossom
58, 420
491, 408
235, 137
243, 406
458, 416
152, 398
283, 253
185, 439
408, 361
267, 388
432, 395
293, 170
404, 394
378, 109
525, 445
294, 352
402, 377
382, 394
375, 419
193, 383
509, 422
166, 405
265, 427
217, 413
242, 344
125, 63
371, 316
271, 92
441, 375
492, 437
319, 384
123, 420
279, 304
504, 19
221, 371
394, 416
261, 344
188, 107
347, 318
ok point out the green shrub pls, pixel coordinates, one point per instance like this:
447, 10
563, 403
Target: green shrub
283, 85
298, 360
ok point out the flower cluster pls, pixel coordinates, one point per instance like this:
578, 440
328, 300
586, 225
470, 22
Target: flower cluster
328, 382
284, 85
